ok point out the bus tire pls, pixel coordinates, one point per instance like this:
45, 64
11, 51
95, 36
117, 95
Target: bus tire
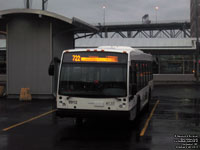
78, 121
138, 107
149, 99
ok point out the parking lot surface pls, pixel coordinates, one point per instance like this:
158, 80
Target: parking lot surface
175, 124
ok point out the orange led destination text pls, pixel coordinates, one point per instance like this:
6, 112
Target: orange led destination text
77, 58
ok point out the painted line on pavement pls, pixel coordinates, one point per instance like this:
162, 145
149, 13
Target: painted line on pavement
149, 118
29, 120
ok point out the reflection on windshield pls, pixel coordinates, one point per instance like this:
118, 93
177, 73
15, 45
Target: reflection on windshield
93, 80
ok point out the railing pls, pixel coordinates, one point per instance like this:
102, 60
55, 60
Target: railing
140, 22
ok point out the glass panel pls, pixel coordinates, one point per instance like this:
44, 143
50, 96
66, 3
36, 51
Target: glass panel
171, 67
188, 67
2, 62
93, 80
176, 64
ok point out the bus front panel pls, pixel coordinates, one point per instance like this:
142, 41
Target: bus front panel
93, 81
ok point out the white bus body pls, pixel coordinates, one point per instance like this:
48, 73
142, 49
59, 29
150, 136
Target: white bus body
107, 81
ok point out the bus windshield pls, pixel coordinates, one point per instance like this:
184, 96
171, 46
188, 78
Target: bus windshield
93, 80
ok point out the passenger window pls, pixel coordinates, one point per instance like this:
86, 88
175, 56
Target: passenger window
130, 80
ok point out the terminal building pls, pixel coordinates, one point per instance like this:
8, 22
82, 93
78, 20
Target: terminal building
174, 58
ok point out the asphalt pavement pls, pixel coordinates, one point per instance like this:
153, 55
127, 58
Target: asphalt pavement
174, 124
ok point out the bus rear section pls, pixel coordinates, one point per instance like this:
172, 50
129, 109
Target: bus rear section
93, 84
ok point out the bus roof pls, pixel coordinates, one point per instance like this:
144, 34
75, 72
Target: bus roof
134, 53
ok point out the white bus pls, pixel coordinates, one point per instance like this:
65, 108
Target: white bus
110, 81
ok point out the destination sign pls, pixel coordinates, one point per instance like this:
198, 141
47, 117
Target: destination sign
95, 57
78, 58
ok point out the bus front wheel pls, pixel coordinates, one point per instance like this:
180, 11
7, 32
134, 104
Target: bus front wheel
78, 121
138, 107
149, 99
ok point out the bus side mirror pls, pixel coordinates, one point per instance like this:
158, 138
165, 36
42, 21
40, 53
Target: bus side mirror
51, 69
54, 62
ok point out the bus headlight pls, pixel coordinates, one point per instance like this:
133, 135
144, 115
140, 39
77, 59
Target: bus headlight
122, 105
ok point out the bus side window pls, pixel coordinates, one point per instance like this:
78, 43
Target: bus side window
143, 73
138, 76
130, 80
141, 76
147, 71
146, 74
134, 77
151, 72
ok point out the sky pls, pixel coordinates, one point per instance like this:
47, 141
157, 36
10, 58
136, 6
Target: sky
116, 11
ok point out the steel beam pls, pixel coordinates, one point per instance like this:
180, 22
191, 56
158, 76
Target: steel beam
169, 30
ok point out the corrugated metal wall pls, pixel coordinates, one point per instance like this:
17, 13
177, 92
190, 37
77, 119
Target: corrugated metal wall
29, 54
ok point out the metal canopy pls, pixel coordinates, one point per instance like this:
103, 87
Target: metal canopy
74, 21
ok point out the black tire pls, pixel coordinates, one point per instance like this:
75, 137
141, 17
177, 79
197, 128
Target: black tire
138, 108
149, 99
78, 121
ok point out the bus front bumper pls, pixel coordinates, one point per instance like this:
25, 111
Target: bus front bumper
92, 113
